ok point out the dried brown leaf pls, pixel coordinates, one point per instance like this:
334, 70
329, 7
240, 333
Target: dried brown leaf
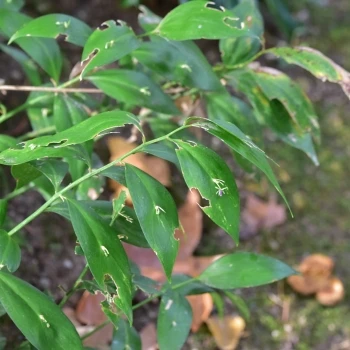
202, 306
148, 336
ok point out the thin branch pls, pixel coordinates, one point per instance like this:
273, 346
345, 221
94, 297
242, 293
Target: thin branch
48, 89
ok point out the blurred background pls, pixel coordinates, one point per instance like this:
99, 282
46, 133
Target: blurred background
280, 319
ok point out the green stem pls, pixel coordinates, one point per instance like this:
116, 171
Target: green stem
34, 101
32, 134
95, 172
143, 302
75, 286
18, 192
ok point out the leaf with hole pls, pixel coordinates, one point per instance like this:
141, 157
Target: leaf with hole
316, 63
54, 25
104, 252
181, 62
174, 321
204, 170
238, 50
10, 253
108, 44
40, 320
157, 214
208, 23
134, 89
243, 270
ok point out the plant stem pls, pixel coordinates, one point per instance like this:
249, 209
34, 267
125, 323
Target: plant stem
36, 133
48, 89
18, 192
75, 286
59, 194
27, 104
87, 335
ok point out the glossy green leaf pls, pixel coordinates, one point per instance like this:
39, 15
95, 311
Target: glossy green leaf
204, 170
207, 23
240, 304
126, 225
40, 110
125, 337
54, 25
147, 19
147, 285
3, 211
6, 142
44, 51
239, 143
40, 320
134, 89
273, 114
23, 155
242, 270
240, 49
181, 62
223, 106
219, 304
316, 63
174, 321
12, 4
27, 64
10, 253
103, 251
164, 150
108, 44
53, 169
24, 174
157, 214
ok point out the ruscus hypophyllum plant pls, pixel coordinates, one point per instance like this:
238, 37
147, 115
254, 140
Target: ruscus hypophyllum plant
155, 68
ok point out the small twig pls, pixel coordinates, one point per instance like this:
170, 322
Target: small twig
48, 89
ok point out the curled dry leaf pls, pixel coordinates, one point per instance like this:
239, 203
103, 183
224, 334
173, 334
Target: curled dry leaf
202, 306
332, 293
148, 336
156, 167
227, 331
316, 270
259, 214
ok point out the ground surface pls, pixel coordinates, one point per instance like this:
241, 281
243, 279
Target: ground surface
320, 198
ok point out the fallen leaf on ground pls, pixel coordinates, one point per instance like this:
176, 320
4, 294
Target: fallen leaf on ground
259, 214
154, 166
148, 336
227, 331
316, 277
202, 306
89, 310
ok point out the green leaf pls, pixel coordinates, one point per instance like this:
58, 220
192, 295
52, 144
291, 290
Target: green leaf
125, 337
126, 225
207, 23
174, 321
24, 155
118, 205
157, 214
90, 188
192, 288
44, 51
10, 253
3, 211
240, 49
182, 62
40, 320
26, 63
164, 150
219, 304
104, 252
274, 114
54, 25
242, 270
6, 142
240, 143
54, 170
108, 44
147, 285
147, 19
316, 63
24, 174
12, 4
204, 170
239, 303
134, 89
